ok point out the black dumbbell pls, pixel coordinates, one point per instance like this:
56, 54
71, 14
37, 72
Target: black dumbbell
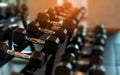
64, 66
98, 50
4, 50
37, 58
44, 22
85, 52
54, 17
82, 64
97, 70
67, 57
76, 40
96, 59
100, 29
75, 14
73, 48
96, 40
63, 69
66, 23
19, 37
34, 29
82, 32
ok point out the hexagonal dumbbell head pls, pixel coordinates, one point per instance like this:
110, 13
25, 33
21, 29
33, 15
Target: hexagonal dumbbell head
63, 69
3, 49
96, 59
68, 57
33, 29
72, 48
69, 24
43, 19
19, 36
97, 70
100, 29
61, 33
51, 44
37, 60
82, 65
98, 50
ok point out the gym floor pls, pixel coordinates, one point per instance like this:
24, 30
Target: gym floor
111, 59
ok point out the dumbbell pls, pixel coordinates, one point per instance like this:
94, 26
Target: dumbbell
93, 53
94, 49
55, 17
37, 57
100, 29
100, 32
43, 19
3, 31
82, 31
82, 65
76, 39
34, 29
64, 67
75, 14
97, 70
96, 40
19, 37
73, 48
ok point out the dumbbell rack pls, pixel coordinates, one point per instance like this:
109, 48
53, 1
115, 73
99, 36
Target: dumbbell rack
61, 49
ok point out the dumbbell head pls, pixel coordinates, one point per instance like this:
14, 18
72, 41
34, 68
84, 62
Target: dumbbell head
72, 48
97, 70
61, 33
98, 50
3, 49
33, 29
19, 36
82, 31
76, 15
82, 65
51, 44
99, 41
100, 29
43, 19
52, 14
37, 60
96, 59
63, 69
76, 40
69, 23
5, 30
85, 52
103, 36
68, 57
